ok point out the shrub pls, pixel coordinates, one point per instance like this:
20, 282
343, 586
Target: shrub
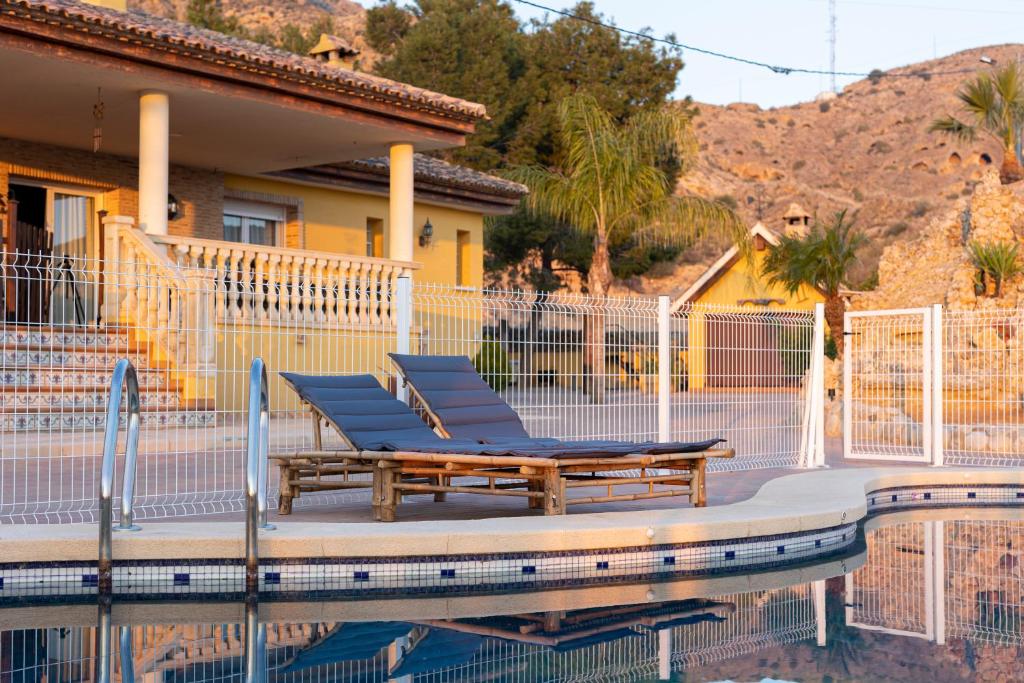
920, 209
798, 164
831, 350
879, 147
896, 229
858, 196
875, 76
491, 361
823, 107
997, 261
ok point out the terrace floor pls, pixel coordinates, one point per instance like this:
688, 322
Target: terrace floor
722, 487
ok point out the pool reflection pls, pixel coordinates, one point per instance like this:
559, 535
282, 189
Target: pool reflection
932, 599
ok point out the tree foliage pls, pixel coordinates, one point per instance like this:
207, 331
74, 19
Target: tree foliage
823, 259
386, 26
994, 104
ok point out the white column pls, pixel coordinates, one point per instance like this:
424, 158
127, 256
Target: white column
400, 227
154, 144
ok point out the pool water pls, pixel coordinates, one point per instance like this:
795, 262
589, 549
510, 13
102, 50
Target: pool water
929, 596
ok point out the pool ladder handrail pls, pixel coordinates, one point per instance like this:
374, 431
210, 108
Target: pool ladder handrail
123, 382
257, 447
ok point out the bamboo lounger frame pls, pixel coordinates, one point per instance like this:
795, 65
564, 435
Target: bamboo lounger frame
544, 482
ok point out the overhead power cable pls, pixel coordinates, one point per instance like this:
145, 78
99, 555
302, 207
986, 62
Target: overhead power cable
776, 68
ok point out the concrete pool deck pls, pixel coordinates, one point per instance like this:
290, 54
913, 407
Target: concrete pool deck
804, 502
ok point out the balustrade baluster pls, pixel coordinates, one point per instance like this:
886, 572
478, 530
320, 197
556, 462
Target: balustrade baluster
375, 293
260, 286
307, 289
318, 292
296, 288
352, 294
273, 284
364, 292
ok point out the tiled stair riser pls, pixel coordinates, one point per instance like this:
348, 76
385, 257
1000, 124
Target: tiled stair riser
17, 422
72, 377
11, 358
57, 338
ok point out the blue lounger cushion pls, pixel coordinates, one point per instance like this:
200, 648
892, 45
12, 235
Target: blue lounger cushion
468, 408
374, 420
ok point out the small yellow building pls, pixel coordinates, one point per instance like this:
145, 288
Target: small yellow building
721, 351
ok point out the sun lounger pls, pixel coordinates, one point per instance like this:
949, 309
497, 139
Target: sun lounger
462, 405
383, 437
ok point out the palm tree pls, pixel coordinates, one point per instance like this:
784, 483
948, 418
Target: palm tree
995, 102
822, 259
610, 184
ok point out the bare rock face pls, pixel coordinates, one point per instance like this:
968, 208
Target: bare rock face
868, 151
936, 268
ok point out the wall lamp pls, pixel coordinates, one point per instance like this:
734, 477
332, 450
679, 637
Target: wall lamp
426, 234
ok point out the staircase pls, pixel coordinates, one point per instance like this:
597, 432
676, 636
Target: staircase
57, 378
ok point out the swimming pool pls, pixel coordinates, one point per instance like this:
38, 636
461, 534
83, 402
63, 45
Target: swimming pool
924, 594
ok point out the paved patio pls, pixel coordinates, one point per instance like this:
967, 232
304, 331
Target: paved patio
723, 488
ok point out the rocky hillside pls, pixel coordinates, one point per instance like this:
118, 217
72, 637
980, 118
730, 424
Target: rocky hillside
868, 151
348, 17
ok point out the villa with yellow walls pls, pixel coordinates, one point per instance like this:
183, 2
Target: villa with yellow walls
174, 167
720, 351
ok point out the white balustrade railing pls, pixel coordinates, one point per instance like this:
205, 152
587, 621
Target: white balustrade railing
278, 285
164, 304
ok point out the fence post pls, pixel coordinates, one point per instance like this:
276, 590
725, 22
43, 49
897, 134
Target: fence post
818, 389
938, 426
403, 327
664, 369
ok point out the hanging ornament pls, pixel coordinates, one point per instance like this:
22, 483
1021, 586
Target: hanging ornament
97, 114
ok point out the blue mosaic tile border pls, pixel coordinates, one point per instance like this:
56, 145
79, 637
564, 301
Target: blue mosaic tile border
492, 572
945, 495
495, 572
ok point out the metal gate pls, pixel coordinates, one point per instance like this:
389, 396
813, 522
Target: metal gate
889, 386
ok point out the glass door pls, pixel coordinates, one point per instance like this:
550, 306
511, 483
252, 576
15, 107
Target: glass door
72, 220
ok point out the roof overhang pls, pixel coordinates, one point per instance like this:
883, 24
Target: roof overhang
721, 266
426, 191
226, 114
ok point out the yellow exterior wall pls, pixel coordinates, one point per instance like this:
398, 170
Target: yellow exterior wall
335, 221
742, 280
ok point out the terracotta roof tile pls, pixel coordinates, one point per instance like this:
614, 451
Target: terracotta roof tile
429, 169
173, 35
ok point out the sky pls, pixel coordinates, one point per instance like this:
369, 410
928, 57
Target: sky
794, 33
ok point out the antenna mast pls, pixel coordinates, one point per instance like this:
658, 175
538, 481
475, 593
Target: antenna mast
832, 42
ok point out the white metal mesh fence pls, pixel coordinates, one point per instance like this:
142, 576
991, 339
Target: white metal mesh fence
983, 387
887, 385
214, 653
937, 386
572, 367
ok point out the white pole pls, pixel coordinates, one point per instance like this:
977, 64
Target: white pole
664, 369
403, 325
929, 579
819, 612
939, 576
926, 387
848, 343
154, 160
665, 654
818, 387
938, 425
400, 203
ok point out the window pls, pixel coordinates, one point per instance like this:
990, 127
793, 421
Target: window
463, 262
252, 222
375, 237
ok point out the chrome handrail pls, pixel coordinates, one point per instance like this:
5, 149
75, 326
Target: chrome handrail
123, 381
257, 446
